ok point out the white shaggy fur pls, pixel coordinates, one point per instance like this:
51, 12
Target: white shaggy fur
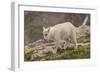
65, 32
61, 32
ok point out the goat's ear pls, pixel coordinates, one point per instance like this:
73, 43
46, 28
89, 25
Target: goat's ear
43, 28
49, 29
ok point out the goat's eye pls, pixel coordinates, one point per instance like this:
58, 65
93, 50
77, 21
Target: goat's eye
45, 34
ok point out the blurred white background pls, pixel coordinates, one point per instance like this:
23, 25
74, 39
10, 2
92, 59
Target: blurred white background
5, 36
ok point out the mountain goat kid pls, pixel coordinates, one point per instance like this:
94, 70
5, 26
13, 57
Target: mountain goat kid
65, 32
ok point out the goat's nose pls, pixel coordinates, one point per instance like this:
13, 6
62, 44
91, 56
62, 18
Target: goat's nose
44, 39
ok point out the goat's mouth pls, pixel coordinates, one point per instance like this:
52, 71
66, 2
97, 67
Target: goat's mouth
45, 40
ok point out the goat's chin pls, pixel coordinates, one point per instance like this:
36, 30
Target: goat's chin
45, 39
